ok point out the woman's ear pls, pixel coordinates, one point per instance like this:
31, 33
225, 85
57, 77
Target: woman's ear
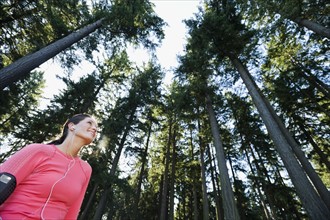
71, 126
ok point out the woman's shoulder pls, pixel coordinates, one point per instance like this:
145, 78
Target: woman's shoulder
34, 152
86, 167
39, 148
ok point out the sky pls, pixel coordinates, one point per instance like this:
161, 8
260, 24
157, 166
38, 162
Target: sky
173, 12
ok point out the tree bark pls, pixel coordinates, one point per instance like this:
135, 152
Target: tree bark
268, 215
313, 80
103, 201
195, 212
172, 191
239, 196
306, 165
100, 207
204, 186
261, 170
229, 204
142, 174
317, 28
26, 64
83, 215
144, 161
164, 204
311, 201
206, 212
216, 192
317, 149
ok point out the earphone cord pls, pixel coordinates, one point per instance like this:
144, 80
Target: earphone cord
51, 191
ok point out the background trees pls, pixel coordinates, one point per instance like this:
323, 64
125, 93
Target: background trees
252, 69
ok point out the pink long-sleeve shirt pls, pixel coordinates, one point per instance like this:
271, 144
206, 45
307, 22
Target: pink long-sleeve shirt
38, 168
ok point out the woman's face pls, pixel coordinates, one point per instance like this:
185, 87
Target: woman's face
86, 129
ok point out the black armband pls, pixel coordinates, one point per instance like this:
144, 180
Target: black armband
7, 186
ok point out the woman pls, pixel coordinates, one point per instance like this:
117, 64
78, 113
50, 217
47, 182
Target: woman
51, 179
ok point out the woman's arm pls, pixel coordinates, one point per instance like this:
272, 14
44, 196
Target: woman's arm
18, 166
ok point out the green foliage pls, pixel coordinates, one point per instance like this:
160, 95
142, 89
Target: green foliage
133, 21
17, 103
27, 26
291, 66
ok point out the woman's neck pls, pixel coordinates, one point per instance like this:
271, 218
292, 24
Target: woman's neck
70, 146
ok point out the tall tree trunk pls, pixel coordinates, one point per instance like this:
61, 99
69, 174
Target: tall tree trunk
103, 201
317, 149
26, 64
206, 210
262, 171
161, 185
204, 186
308, 168
100, 207
172, 191
195, 201
268, 215
314, 205
239, 196
317, 28
144, 161
229, 204
184, 203
313, 80
83, 215
257, 182
121, 144
194, 189
216, 192
142, 172
164, 204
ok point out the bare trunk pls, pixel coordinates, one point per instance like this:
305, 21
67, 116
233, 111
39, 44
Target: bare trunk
141, 175
26, 64
314, 81
203, 176
172, 193
317, 28
261, 196
144, 161
306, 165
261, 170
229, 204
195, 199
83, 215
196, 213
164, 204
103, 201
215, 187
317, 149
312, 202
239, 196
204, 186
100, 207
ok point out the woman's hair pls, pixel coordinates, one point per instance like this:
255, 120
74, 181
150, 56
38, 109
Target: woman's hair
65, 130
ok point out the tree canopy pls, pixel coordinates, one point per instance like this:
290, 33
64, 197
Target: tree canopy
241, 132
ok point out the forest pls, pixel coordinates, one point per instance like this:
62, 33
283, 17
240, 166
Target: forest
242, 132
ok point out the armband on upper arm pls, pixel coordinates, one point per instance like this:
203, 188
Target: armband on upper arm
7, 186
